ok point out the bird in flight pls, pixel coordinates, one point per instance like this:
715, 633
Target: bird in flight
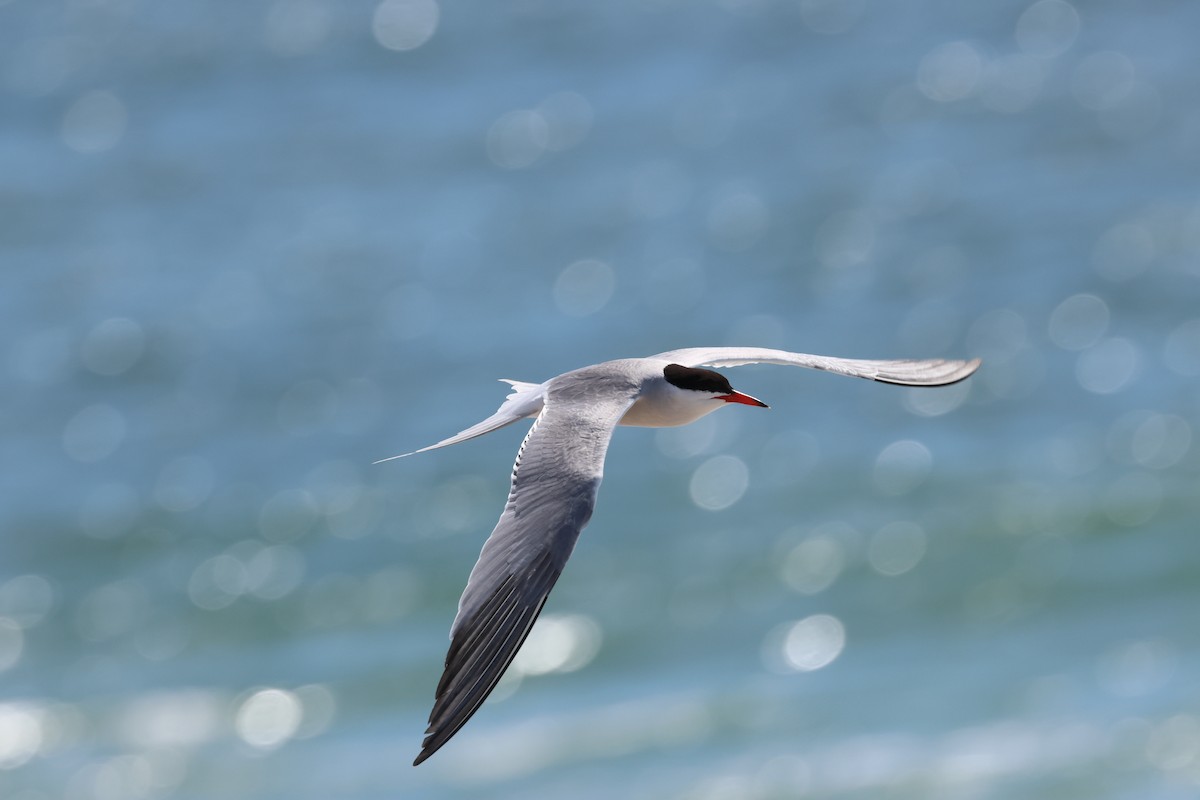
557, 473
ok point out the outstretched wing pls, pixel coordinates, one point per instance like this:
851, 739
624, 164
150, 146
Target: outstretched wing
911, 372
555, 478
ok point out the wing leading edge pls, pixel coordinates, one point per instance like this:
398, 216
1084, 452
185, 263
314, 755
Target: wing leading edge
904, 372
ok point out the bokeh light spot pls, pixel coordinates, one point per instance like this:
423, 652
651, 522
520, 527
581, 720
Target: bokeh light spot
95, 122
558, 643
1047, 28
1107, 367
584, 287
12, 643
813, 642
896, 548
902, 466
719, 482
268, 718
217, 582
405, 24
21, 734
813, 565
950, 72
518, 138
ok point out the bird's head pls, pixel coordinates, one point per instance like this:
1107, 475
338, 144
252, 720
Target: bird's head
707, 383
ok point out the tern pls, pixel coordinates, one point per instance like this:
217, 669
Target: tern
557, 473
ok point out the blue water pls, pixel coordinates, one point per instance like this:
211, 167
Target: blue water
250, 248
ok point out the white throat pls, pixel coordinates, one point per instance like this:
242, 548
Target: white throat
662, 405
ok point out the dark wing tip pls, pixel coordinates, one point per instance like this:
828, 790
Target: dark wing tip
942, 372
482, 649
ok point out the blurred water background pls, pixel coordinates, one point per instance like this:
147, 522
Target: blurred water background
249, 248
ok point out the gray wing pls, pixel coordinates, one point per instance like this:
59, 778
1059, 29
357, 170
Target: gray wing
555, 478
910, 372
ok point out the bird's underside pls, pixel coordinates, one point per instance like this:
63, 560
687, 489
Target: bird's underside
554, 483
